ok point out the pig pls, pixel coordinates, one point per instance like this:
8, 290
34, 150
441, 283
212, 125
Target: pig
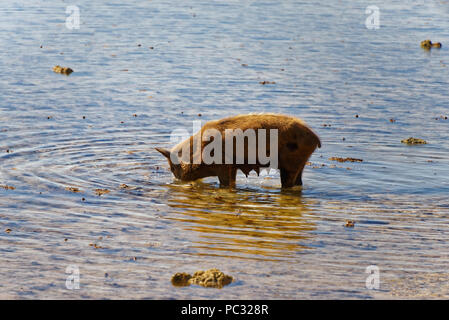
290, 149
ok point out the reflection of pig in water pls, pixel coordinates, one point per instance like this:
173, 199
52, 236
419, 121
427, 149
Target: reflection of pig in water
285, 144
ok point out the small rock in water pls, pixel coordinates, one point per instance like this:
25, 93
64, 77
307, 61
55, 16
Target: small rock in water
412, 140
181, 279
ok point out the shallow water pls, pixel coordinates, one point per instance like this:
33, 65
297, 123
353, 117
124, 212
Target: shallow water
208, 59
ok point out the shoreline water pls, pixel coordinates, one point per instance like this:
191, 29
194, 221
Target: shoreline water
63, 138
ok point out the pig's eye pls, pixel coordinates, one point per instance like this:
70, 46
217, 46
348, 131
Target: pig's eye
180, 153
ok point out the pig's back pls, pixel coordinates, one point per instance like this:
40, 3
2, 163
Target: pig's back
252, 121
287, 126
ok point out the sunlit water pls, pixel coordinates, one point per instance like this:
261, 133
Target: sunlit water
96, 129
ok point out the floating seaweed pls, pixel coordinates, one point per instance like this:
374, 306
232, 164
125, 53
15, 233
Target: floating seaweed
63, 70
346, 159
412, 140
212, 278
427, 44
100, 192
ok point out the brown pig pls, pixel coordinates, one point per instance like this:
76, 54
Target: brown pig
240, 142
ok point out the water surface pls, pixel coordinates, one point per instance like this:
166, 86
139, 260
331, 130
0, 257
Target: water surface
144, 68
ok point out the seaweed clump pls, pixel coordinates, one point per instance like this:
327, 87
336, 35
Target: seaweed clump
63, 70
212, 278
349, 223
345, 159
72, 189
100, 192
427, 44
412, 140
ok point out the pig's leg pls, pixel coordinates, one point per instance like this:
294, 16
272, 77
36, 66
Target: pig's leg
227, 177
288, 178
302, 164
298, 181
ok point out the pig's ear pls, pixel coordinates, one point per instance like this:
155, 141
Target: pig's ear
165, 152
